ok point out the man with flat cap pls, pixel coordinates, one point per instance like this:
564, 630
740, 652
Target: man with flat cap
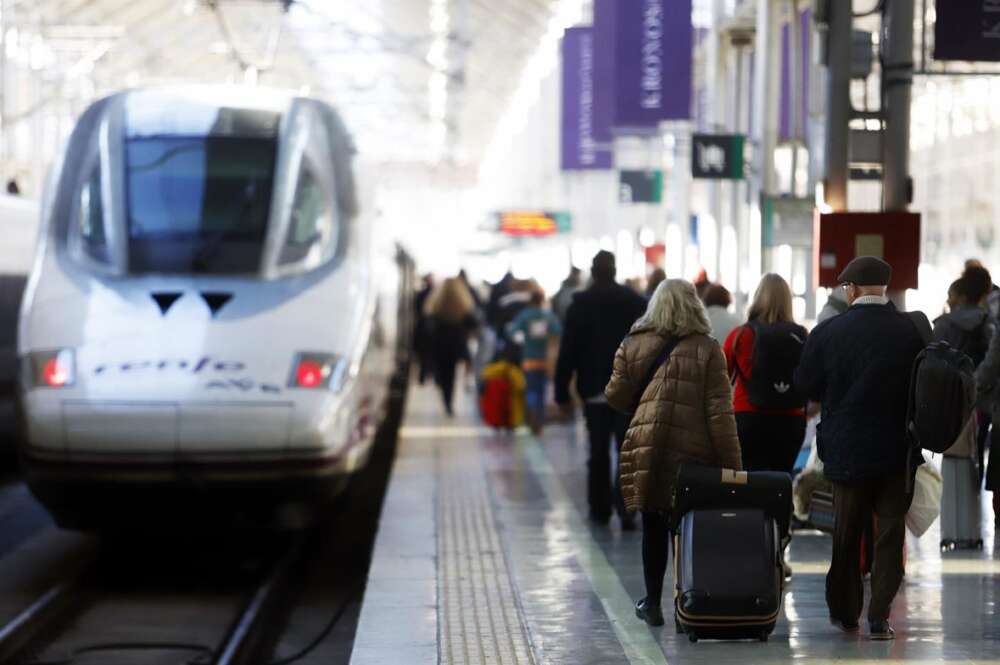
857, 365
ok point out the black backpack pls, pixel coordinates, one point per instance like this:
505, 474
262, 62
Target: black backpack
972, 343
777, 350
942, 395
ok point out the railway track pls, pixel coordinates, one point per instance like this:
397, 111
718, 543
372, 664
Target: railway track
43, 632
203, 600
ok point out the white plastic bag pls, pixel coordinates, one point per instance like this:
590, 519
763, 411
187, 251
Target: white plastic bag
926, 506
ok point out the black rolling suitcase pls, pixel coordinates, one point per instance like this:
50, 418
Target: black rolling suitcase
728, 577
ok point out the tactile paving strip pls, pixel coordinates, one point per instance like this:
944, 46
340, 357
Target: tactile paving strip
480, 619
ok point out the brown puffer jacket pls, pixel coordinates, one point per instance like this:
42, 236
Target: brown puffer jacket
684, 416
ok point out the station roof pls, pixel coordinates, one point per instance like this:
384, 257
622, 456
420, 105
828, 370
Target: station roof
416, 80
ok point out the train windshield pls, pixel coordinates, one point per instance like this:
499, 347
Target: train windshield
198, 204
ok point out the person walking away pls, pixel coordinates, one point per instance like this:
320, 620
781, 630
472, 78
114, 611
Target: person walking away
421, 330
510, 305
718, 300
564, 296
597, 321
657, 277
858, 366
982, 291
497, 291
988, 392
762, 357
532, 328
670, 377
836, 304
451, 311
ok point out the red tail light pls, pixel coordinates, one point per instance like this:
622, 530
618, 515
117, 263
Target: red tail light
309, 374
53, 369
54, 374
317, 370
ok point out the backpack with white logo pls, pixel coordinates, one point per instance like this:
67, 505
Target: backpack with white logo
777, 350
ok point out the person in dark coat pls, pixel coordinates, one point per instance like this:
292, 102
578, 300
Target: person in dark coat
421, 330
858, 365
596, 322
987, 379
969, 328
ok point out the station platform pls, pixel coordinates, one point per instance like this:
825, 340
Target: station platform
484, 555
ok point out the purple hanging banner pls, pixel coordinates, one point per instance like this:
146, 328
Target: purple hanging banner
653, 62
585, 130
785, 117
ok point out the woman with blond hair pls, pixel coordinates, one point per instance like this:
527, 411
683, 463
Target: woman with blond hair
450, 311
762, 356
672, 376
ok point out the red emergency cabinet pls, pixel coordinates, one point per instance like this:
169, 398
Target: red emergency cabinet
891, 236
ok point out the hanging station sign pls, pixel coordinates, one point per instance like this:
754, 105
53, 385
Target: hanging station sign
967, 30
640, 186
644, 56
718, 156
532, 223
585, 125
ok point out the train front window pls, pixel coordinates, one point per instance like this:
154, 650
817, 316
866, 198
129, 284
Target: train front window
198, 205
311, 238
90, 217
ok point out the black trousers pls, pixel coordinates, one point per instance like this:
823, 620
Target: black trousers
604, 425
770, 442
656, 543
853, 506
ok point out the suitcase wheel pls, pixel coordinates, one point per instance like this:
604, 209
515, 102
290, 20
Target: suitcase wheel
763, 636
678, 627
693, 638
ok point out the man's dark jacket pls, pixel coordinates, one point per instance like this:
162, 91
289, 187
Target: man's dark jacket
858, 366
596, 323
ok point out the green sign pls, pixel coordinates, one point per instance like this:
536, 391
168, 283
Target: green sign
718, 156
640, 186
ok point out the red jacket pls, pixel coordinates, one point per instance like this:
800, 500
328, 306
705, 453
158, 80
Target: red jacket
739, 352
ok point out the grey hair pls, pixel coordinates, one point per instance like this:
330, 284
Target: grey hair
674, 309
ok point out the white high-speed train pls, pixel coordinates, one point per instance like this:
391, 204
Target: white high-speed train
210, 312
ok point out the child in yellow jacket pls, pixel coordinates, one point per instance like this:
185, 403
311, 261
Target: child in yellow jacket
501, 402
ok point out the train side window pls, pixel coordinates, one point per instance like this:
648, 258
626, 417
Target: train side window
90, 217
311, 237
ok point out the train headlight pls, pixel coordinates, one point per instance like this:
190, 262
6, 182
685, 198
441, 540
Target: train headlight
318, 370
52, 369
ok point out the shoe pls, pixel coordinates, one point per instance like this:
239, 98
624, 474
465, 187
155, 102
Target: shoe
628, 523
845, 626
651, 614
881, 630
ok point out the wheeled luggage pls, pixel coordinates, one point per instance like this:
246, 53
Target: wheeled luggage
728, 574
960, 504
700, 487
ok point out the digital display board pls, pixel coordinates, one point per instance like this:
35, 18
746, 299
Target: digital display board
532, 223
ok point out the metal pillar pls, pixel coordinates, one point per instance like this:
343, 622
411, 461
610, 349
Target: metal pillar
838, 101
795, 39
764, 130
897, 81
